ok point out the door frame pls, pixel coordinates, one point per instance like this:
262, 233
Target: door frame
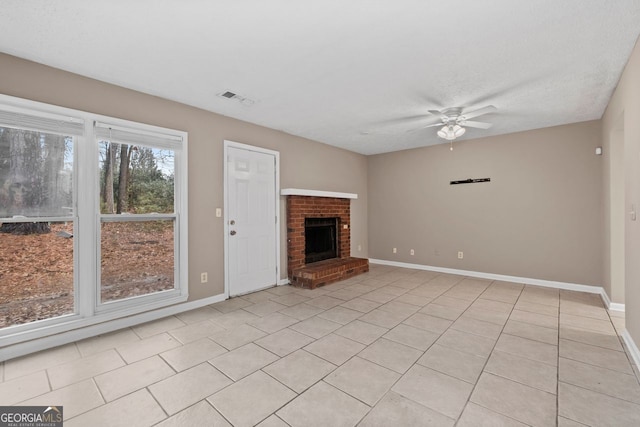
237, 145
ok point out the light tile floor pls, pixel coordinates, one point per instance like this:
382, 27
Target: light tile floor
392, 347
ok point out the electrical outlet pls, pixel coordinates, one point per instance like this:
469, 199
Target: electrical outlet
395, 250
412, 252
218, 213
460, 255
204, 277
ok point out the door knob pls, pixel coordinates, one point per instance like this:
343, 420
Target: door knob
232, 232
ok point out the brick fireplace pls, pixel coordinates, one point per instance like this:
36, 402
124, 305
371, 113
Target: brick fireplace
310, 204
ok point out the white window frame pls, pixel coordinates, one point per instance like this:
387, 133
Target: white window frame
87, 221
172, 141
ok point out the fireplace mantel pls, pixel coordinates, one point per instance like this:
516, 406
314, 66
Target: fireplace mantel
316, 193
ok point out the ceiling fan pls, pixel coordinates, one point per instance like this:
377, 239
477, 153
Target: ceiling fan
454, 120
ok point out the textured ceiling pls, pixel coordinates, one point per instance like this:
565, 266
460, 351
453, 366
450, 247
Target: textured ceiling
345, 73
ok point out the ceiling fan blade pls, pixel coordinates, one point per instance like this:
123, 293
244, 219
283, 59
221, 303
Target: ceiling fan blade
479, 112
425, 126
442, 115
403, 120
434, 125
394, 126
479, 125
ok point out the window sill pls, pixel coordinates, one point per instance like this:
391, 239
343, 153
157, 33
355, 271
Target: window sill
75, 322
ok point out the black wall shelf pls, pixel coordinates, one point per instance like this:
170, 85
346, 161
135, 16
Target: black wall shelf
470, 181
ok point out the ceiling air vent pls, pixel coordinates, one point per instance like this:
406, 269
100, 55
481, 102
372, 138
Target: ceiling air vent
241, 99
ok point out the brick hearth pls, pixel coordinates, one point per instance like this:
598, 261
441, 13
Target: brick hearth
327, 271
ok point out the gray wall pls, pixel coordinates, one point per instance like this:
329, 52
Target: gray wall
303, 163
539, 217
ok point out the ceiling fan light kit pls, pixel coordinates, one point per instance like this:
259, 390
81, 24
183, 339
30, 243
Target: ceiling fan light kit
451, 132
454, 119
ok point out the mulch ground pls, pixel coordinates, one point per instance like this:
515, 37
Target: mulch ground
36, 271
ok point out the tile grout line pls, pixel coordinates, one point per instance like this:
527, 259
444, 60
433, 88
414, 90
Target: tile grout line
440, 335
295, 392
602, 393
371, 407
596, 366
435, 342
492, 350
586, 363
624, 345
558, 363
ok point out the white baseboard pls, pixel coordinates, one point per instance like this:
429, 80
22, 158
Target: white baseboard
20, 349
492, 276
614, 306
633, 348
283, 282
606, 299
515, 279
611, 306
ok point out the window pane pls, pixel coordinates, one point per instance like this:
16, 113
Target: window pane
136, 179
137, 258
36, 171
36, 275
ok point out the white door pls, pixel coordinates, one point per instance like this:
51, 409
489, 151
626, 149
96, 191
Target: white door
251, 219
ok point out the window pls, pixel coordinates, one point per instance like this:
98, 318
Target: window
76, 252
37, 217
137, 213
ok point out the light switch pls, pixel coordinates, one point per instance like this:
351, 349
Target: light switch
218, 212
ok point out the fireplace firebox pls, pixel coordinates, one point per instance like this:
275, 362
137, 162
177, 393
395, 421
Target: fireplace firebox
320, 239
